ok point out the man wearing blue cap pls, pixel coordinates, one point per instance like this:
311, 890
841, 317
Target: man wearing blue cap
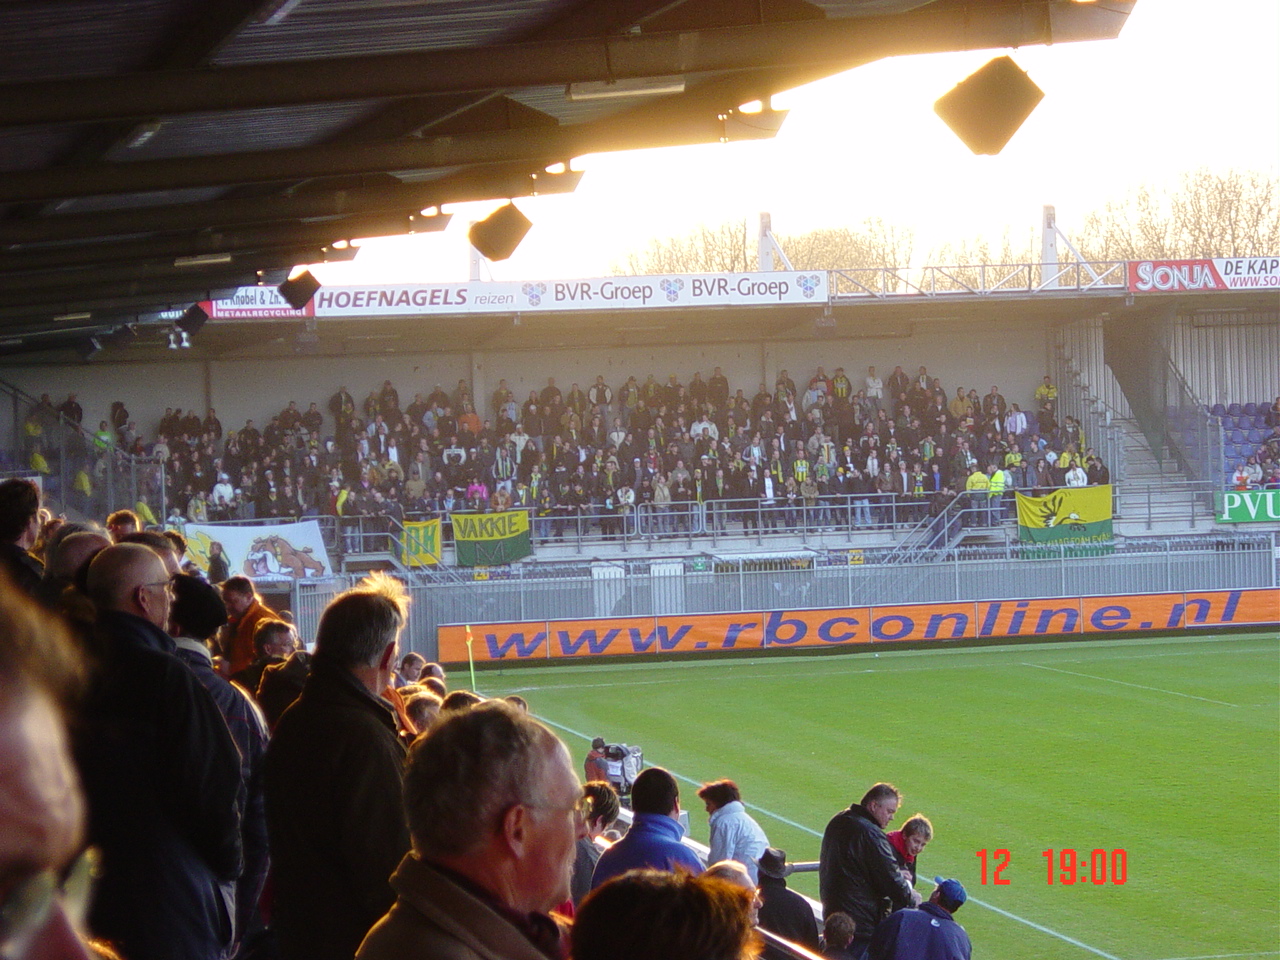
928, 932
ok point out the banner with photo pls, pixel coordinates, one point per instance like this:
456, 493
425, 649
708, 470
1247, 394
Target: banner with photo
420, 543
1075, 516
488, 539
281, 551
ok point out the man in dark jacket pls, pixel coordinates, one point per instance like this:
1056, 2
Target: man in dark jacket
857, 872
19, 526
783, 911
930, 933
333, 779
161, 774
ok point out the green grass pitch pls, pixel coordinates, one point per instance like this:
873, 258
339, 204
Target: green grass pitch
1168, 749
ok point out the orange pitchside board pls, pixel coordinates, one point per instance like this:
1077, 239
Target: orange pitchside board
793, 629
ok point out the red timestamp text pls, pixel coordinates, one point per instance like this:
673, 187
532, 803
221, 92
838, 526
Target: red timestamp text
1098, 866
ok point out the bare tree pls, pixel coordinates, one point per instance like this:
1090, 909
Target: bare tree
709, 249
871, 244
1231, 214
977, 264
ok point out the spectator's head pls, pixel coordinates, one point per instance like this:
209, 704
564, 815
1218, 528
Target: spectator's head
423, 708
130, 578
917, 832
461, 701
123, 522
602, 806
69, 555
838, 930
948, 894
881, 803
198, 610
360, 629
19, 512
411, 666
654, 915
435, 685
274, 639
491, 793
239, 594
719, 793
158, 542
655, 791
42, 810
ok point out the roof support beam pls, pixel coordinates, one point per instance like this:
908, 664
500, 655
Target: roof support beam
552, 63
542, 146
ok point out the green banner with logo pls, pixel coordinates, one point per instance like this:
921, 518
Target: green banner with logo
488, 539
1250, 506
420, 543
1077, 517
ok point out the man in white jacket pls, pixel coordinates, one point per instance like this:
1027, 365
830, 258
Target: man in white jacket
734, 833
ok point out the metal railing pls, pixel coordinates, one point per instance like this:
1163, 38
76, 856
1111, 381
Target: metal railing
978, 279
79, 471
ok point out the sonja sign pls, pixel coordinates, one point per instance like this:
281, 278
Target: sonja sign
1250, 506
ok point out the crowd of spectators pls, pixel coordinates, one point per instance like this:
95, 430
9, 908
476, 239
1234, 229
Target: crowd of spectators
885, 450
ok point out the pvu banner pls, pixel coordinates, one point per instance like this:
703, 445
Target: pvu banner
487, 539
282, 551
1250, 506
420, 543
1073, 515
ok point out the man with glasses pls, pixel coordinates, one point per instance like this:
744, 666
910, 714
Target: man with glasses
495, 812
161, 774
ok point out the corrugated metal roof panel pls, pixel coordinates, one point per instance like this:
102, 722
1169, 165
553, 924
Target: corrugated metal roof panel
336, 28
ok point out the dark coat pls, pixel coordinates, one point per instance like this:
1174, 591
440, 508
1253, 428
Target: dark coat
333, 778
162, 777
930, 933
858, 873
787, 914
24, 569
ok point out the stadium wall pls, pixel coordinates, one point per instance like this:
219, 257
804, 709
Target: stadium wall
765, 630
1009, 354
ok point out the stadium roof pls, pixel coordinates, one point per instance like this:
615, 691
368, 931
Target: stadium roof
154, 153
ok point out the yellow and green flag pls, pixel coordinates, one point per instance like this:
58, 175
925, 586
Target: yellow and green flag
1079, 516
420, 543
488, 539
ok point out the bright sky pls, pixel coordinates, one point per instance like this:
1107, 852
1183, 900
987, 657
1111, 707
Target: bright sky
1188, 84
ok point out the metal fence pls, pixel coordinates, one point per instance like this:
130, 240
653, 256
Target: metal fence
708, 584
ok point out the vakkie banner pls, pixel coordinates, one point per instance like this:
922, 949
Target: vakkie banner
793, 629
1223, 273
538, 296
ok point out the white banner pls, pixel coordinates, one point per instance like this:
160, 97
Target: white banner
282, 551
608, 293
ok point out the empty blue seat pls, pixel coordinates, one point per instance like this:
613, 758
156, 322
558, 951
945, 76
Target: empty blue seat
1250, 409
1218, 410
1237, 436
1233, 410
1254, 436
1260, 420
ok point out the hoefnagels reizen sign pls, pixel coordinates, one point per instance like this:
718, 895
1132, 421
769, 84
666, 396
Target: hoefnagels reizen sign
767, 630
1222, 273
535, 296
1250, 506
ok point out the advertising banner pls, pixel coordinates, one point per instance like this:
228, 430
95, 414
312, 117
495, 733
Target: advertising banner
488, 539
475, 297
282, 551
795, 629
420, 543
1223, 273
1250, 506
1072, 515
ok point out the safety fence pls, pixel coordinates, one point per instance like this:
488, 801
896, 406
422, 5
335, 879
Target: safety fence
708, 584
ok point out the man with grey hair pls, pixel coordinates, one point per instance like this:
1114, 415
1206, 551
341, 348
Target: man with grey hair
333, 776
495, 812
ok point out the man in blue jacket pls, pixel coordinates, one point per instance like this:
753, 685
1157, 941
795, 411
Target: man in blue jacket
654, 838
927, 933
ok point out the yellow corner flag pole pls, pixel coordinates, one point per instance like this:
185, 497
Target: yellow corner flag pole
471, 658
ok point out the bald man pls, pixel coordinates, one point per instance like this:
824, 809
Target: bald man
67, 565
161, 774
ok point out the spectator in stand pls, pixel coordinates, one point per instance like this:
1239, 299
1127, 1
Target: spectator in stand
495, 813
857, 868
161, 773
735, 835
195, 616
837, 936
703, 918
282, 684
19, 527
927, 933
333, 777
908, 843
410, 671
273, 641
654, 838
601, 811
246, 610
122, 523
783, 911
